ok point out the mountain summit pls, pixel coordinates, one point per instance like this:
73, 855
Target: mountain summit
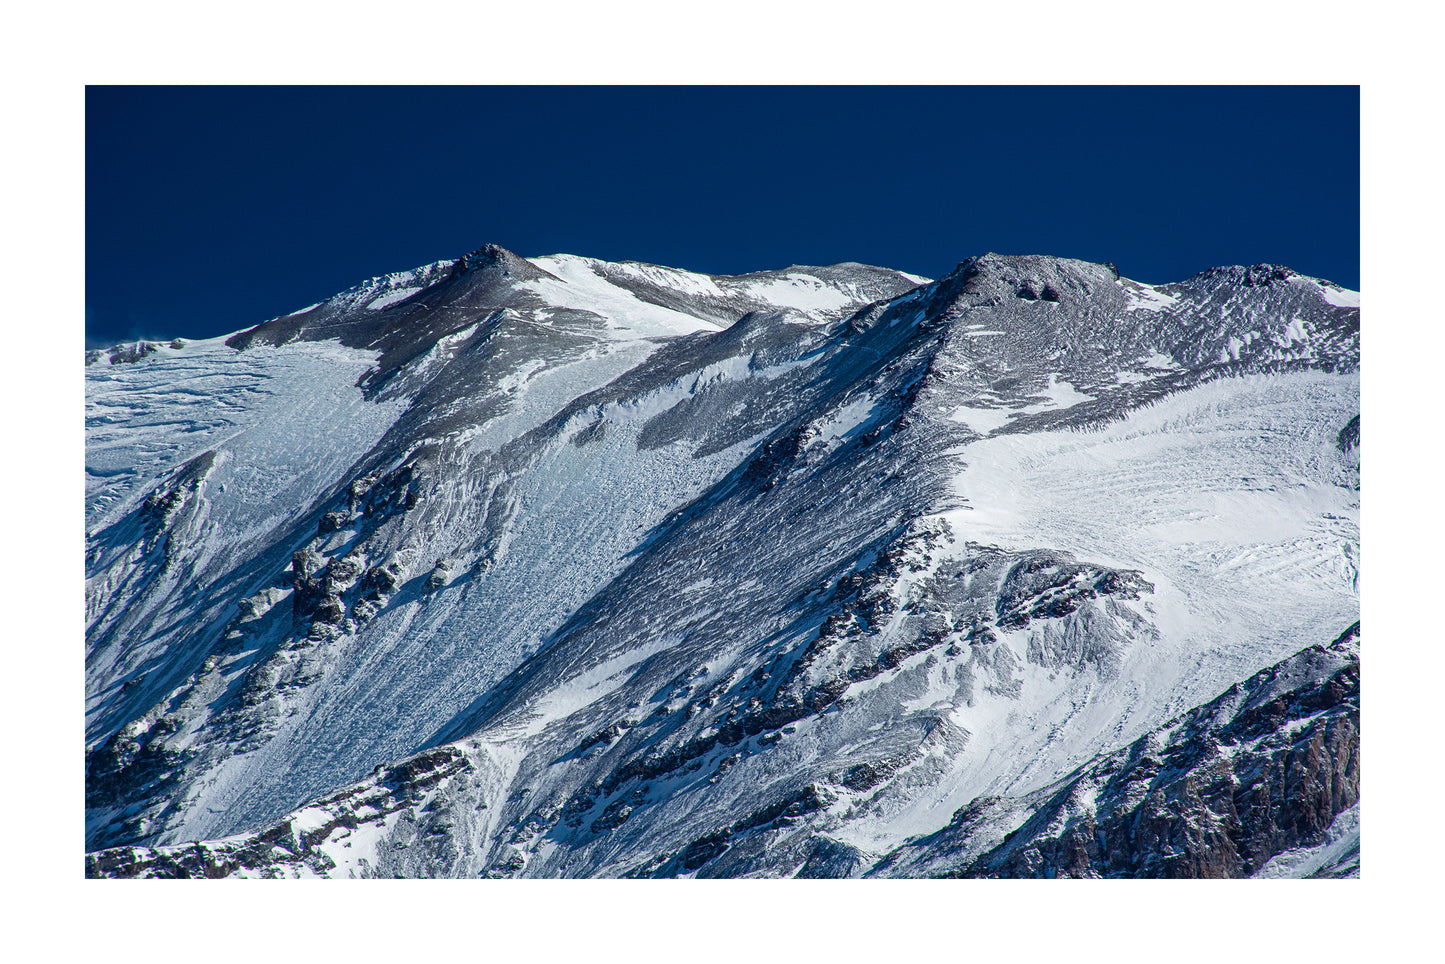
562, 567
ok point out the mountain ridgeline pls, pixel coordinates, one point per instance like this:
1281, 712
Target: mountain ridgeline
558, 567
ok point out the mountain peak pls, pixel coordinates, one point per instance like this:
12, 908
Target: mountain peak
503, 261
1248, 276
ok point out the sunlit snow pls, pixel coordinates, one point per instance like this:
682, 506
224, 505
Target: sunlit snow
1057, 395
578, 285
1231, 498
1342, 297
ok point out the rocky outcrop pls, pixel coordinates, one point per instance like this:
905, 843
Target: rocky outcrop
313, 841
126, 354
1349, 437
1264, 768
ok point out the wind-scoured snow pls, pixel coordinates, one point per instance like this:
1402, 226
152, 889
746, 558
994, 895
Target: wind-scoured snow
795, 290
278, 425
576, 284
1057, 395
1144, 297
604, 569
531, 501
286, 420
1232, 498
684, 282
580, 510
391, 298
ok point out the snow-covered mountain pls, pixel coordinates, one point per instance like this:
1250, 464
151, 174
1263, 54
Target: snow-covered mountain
559, 567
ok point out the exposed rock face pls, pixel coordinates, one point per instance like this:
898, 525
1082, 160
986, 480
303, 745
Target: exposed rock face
124, 354
1264, 768
1349, 437
128, 354
301, 846
817, 572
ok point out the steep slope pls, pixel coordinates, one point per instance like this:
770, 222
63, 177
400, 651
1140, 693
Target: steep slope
1268, 769
432, 442
769, 599
1263, 781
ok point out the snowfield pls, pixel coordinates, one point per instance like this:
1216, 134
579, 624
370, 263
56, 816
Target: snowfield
293, 409
1232, 499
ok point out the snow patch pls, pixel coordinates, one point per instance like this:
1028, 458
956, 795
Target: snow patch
801, 291
847, 420
391, 298
1058, 395
302, 311
582, 691
687, 282
1144, 297
1161, 361
577, 284
1338, 852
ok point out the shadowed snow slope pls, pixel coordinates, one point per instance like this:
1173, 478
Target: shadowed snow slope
591, 569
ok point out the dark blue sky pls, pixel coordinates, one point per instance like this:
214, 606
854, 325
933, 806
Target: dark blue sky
210, 209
